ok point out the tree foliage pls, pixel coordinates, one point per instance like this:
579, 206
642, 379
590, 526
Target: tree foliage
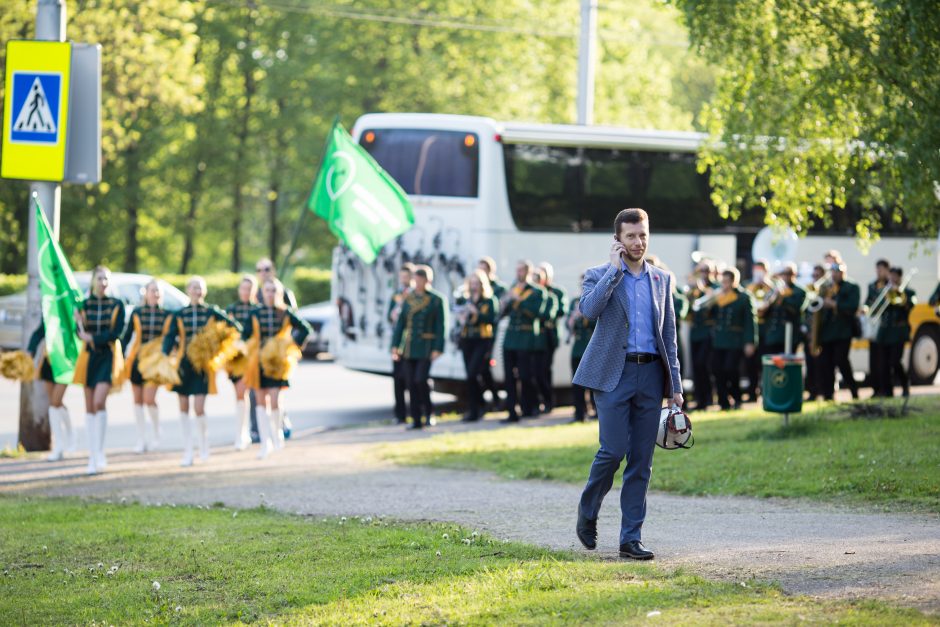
824, 111
215, 111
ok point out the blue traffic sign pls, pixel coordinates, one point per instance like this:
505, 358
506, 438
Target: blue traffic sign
36, 97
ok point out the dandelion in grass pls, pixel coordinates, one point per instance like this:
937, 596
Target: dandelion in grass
156, 586
445, 536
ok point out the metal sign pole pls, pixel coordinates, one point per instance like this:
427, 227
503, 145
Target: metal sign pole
34, 404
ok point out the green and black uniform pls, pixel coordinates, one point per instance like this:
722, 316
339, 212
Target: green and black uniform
702, 324
522, 340
894, 330
184, 326
788, 308
241, 313
553, 314
876, 365
45, 371
476, 343
582, 328
835, 336
419, 332
271, 321
103, 318
735, 327
148, 324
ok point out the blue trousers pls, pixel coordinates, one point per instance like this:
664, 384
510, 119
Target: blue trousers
628, 418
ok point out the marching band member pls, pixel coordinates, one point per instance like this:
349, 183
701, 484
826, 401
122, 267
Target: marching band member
241, 311
735, 335
759, 288
810, 329
418, 340
60, 424
479, 315
701, 318
279, 332
148, 324
580, 329
405, 285
196, 380
550, 330
894, 330
101, 325
839, 308
549, 306
784, 305
523, 303
876, 366
488, 266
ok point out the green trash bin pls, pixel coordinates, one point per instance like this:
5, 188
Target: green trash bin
782, 387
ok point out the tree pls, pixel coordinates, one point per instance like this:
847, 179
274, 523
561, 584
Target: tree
824, 110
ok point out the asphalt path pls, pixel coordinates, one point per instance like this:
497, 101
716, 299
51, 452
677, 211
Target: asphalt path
322, 395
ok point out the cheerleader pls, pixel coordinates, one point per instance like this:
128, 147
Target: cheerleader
101, 324
241, 312
149, 323
196, 380
279, 332
59, 421
478, 312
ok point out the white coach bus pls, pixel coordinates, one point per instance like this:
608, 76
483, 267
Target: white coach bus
544, 192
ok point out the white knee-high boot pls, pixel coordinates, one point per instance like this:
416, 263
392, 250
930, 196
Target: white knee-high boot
203, 426
102, 430
91, 427
242, 439
187, 440
68, 435
277, 418
154, 412
264, 431
141, 429
58, 438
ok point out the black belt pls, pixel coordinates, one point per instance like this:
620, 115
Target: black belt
642, 358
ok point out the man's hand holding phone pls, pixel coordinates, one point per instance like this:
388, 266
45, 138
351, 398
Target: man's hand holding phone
616, 253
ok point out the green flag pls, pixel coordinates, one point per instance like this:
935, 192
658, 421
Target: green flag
363, 205
61, 296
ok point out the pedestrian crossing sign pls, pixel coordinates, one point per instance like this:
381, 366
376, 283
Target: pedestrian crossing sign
35, 110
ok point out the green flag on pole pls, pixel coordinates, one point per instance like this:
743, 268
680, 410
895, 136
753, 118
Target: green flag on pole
61, 296
363, 205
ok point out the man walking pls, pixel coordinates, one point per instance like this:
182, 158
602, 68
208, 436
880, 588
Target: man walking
631, 364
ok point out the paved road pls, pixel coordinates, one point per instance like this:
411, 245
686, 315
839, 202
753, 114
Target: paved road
322, 395
810, 548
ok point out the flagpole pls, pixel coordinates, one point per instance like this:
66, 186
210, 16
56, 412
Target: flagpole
304, 209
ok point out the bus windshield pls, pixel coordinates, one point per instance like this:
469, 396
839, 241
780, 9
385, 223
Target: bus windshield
427, 162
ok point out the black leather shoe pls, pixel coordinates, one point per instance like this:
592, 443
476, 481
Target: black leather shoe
587, 531
511, 418
635, 551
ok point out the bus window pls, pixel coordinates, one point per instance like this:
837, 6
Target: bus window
427, 162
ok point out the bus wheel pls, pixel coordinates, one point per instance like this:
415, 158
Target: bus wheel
925, 354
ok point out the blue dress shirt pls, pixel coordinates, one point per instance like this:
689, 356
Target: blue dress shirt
640, 336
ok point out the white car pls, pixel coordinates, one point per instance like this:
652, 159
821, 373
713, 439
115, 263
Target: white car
322, 317
127, 287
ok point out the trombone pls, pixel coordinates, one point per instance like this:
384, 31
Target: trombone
881, 303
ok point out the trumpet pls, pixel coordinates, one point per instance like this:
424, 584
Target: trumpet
821, 288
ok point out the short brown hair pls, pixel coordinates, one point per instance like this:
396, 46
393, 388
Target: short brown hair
407, 267
426, 272
633, 215
734, 275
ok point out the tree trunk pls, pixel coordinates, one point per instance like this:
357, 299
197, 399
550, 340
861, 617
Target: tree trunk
248, 77
132, 191
277, 169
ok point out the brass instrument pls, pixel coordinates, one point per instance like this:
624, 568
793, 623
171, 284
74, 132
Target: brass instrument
821, 288
887, 297
705, 301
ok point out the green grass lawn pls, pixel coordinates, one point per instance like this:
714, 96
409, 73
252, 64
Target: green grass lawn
67, 561
822, 454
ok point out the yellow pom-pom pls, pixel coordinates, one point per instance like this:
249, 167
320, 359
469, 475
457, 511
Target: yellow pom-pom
18, 366
158, 369
279, 356
238, 363
212, 347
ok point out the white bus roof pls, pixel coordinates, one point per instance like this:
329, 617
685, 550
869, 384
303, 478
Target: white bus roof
533, 133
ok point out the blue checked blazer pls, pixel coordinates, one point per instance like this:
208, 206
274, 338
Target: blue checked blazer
604, 300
